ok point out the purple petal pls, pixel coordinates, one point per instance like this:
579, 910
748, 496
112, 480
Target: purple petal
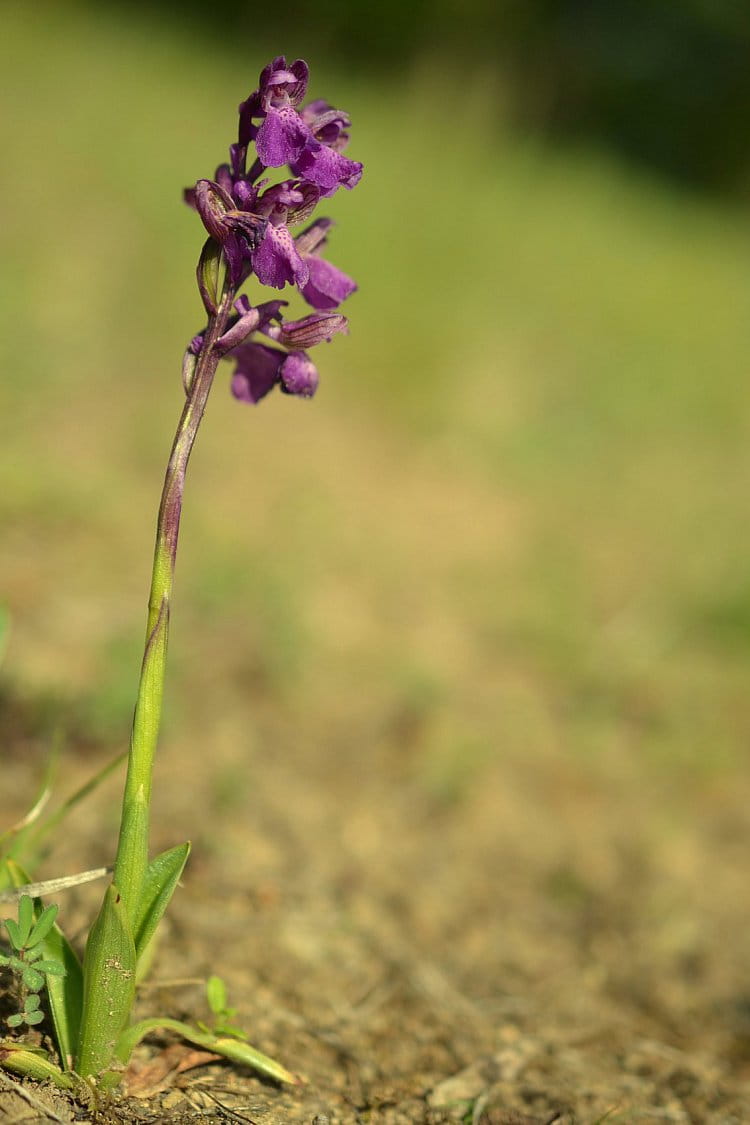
276, 201
281, 84
257, 371
238, 156
213, 202
299, 375
246, 195
270, 311
277, 261
249, 109
314, 108
312, 330
309, 197
246, 322
314, 237
327, 286
282, 137
328, 125
301, 72
327, 168
223, 177
234, 252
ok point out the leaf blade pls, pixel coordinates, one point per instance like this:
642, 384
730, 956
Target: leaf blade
162, 877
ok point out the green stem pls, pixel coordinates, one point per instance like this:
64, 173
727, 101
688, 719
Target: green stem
132, 848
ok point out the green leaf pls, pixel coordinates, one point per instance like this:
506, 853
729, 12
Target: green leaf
32, 1018
211, 271
64, 992
216, 994
225, 1029
15, 1020
51, 968
32, 979
25, 919
14, 933
32, 1064
108, 989
229, 1048
32, 1003
44, 923
162, 876
243, 1053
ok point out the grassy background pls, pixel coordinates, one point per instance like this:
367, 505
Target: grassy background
504, 549
535, 437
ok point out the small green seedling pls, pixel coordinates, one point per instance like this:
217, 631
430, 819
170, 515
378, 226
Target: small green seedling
27, 960
224, 1016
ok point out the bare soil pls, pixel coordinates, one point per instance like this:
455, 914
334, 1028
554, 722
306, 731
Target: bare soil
529, 950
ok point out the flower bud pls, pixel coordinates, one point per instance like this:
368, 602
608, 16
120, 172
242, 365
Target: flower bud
299, 375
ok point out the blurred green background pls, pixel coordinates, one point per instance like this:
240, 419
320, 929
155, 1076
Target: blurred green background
513, 522
666, 84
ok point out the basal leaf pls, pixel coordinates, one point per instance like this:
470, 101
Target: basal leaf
230, 1048
162, 876
108, 989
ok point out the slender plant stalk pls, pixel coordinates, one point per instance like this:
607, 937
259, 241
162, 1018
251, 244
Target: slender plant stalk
132, 848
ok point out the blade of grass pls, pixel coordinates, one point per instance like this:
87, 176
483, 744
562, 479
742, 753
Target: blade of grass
55, 819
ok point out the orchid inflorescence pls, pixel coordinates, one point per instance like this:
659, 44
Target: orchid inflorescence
250, 218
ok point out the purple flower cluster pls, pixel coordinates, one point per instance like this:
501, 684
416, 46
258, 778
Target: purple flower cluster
249, 218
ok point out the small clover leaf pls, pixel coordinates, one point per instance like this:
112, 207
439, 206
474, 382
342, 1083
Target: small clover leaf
44, 924
27, 962
32, 979
25, 919
50, 968
14, 933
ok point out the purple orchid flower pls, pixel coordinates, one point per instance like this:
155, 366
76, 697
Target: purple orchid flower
248, 221
259, 368
326, 286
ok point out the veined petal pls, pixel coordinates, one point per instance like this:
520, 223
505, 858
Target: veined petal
314, 237
312, 330
212, 203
